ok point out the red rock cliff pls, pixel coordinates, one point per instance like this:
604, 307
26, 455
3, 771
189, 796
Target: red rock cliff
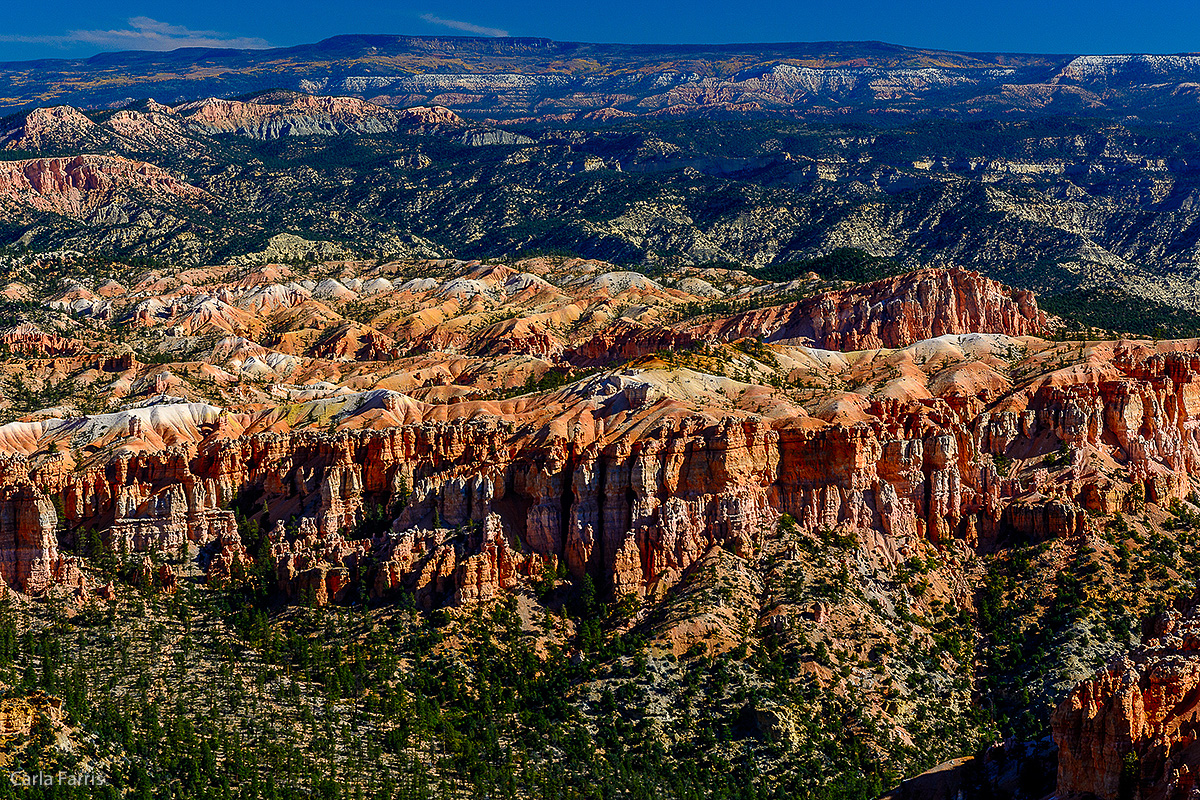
892, 312
618, 479
1133, 729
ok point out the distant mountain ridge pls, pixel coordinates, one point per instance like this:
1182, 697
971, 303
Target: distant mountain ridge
527, 79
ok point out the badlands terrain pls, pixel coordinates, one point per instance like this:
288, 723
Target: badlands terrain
401, 417
542, 527
1098, 214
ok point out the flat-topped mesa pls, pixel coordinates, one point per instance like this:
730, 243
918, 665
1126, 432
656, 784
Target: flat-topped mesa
1133, 728
892, 312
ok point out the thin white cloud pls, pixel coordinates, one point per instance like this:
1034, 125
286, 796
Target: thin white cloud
467, 27
144, 33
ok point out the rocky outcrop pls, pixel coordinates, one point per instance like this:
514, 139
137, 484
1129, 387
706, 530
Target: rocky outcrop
27, 339
891, 313
1133, 729
278, 114
59, 128
628, 341
315, 568
633, 493
18, 715
76, 187
28, 539
452, 485
484, 138
493, 565
229, 560
152, 576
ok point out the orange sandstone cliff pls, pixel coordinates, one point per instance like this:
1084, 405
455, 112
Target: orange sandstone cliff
1133, 729
632, 475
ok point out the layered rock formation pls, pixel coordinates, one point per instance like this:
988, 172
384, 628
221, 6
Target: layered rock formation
629, 476
28, 539
77, 186
1133, 729
279, 114
891, 313
631, 489
56, 128
27, 339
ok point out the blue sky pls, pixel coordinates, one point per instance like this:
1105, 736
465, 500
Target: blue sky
65, 28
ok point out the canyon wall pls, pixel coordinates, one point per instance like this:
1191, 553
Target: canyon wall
892, 312
631, 487
1133, 729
